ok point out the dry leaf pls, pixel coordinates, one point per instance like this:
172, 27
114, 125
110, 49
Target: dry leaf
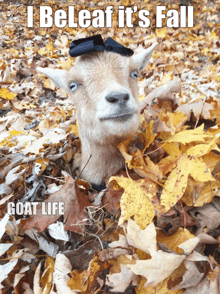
135, 201
74, 215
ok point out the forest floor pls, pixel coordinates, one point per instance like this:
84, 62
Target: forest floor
156, 229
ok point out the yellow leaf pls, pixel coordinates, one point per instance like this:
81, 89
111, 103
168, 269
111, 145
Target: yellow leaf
172, 149
47, 277
74, 129
167, 164
211, 160
15, 133
199, 193
43, 33
14, 52
123, 147
156, 55
173, 241
154, 168
205, 50
202, 149
174, 121
215, 77
49, 84
166, 78
141, 97
200, 172
135, 202
78, 281
136, 159
22, 105
4, 142
161, 288
65, 64
84, 281
41, 163
188, 136
176, 183
50, 47
41, 51
6, 94
63, 114
121, 260
142, 169
161, 33
151, 66
148, 137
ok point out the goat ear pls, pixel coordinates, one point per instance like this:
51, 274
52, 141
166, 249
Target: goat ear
141, 59
58, 76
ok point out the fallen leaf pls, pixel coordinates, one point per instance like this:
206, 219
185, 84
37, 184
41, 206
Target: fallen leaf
173, 241
188, 136
74, 215
161, 264
62, 268
120, 281
135, 201
6, 94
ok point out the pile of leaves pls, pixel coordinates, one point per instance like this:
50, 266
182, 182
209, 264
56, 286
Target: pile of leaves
156, 228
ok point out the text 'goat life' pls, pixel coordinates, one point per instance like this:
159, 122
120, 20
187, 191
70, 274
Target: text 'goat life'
104, 89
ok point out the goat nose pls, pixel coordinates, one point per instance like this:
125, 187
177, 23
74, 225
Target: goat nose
117, 97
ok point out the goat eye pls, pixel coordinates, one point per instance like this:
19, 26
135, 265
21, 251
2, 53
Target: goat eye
73, 86
134, 75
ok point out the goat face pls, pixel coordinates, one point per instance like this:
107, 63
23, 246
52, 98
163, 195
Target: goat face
104, 88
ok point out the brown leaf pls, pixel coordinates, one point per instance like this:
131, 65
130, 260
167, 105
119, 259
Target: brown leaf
208, 216
112, 199
73, 209
87, 280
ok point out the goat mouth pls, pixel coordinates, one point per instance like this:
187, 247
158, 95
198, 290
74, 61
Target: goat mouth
121, 117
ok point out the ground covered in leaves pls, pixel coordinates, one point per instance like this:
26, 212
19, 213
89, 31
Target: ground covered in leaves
156, 229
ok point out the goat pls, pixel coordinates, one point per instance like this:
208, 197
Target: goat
104, 89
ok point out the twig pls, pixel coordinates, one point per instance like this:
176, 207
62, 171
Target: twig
56, 179
126, 169
84, 167
150, 152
